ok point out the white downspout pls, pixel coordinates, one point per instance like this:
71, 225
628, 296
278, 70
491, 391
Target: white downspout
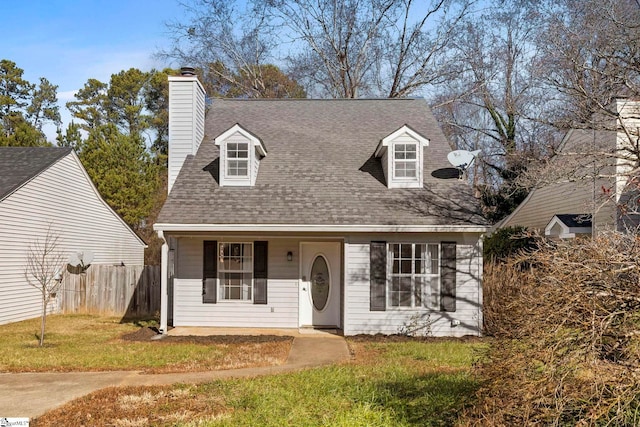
164, 278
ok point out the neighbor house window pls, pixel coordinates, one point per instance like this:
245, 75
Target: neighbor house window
405, 160
235, 272
414, 275
237, 159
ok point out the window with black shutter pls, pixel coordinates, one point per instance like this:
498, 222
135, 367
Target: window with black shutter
260, 272
448, 277
378, 276
209, 271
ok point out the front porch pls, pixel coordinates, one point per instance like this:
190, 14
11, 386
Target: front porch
272, 282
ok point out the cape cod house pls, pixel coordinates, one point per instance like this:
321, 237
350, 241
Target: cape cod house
44, 188
316, 214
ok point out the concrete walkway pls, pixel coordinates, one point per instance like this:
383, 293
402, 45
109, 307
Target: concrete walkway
32, 394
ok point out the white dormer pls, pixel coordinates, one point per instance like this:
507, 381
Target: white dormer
240, 155
402, 155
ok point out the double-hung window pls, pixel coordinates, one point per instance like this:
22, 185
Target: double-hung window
405, 163
237, 159
235, 272
414, 275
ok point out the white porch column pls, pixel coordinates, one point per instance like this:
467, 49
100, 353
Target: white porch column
164, 278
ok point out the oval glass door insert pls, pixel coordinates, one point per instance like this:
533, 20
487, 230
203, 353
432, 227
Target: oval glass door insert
320, 282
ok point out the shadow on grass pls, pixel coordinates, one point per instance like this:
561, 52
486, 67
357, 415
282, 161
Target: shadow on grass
434, 399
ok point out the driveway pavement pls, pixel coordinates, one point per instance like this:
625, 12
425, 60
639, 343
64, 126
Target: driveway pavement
32, 394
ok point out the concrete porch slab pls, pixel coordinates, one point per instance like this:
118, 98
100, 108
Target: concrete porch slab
291, 332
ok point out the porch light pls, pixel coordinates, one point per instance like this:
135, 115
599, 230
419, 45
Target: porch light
289, 256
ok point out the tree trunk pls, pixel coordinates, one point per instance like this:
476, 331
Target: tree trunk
44, 320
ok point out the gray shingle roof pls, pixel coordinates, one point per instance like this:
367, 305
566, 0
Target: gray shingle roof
320, 168
20, 164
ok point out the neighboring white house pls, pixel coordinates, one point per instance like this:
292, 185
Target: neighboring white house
592, 185
42, 187
316, 214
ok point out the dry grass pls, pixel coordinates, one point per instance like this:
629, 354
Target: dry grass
388, 383
92, 343
138, 406
230, 356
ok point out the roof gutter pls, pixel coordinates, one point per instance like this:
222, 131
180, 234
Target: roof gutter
373, 228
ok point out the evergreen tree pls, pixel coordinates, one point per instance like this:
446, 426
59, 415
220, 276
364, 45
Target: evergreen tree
24, 107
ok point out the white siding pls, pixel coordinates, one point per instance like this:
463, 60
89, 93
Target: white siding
281, 310
255, 164
186, 122
64, 197
358, 318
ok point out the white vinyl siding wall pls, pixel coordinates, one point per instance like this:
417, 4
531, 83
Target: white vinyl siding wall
186, 122
359, 320
281, 310
63, 197
254, 165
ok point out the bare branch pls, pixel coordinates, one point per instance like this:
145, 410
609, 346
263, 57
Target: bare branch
44, 269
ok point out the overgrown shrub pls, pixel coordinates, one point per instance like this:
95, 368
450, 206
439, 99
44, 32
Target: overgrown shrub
568, 328
507, 242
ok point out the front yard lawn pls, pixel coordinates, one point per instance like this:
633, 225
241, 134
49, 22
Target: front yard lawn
390, 382
93, 343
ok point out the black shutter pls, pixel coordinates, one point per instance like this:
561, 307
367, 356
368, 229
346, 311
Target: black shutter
260, 273
448, 276
378, 276
209, 271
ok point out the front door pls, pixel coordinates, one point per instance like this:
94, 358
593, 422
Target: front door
320, 284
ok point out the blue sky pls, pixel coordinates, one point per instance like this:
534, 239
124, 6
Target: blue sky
70, 41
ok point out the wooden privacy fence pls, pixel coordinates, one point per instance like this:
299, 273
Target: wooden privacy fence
126, 291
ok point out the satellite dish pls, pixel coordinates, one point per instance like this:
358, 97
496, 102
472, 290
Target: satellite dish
80, 258
87, 257
462, 159
75, 259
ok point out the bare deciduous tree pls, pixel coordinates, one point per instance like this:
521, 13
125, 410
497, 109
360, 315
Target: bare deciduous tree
591, 56
224, 40
338, 48
494, 102
44, 269
353, 48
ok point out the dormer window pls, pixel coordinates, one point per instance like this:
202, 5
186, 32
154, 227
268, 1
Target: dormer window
237, 159
402, 155
405, 161
240, 155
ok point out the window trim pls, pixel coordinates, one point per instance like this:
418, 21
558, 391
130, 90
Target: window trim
221, 270
238, 159
427, 293
414, 161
